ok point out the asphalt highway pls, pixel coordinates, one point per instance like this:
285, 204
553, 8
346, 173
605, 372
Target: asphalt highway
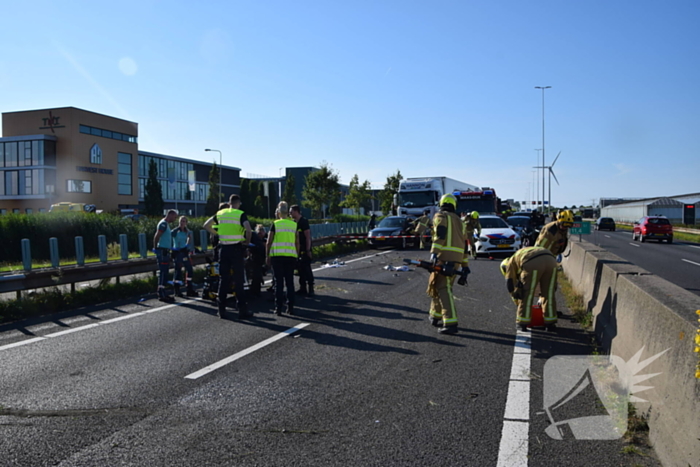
357, 377
677, 262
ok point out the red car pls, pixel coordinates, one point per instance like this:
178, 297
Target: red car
655, 227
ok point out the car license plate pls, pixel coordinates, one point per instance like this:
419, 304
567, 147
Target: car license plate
503, 246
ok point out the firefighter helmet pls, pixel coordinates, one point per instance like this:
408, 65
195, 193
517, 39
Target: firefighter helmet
566, 218
449, 198
504, 265
475, 215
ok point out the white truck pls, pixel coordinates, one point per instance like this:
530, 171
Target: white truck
418, 194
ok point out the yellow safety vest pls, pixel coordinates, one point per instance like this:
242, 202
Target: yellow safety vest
283, 243
231, 231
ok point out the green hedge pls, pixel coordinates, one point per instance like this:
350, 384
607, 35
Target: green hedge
65, 226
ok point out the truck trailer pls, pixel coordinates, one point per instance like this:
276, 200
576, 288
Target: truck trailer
416, 195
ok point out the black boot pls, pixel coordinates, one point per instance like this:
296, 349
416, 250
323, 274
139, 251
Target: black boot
448, 330
190, 290
290, 309
311, 290
178, 292
435, 322
163, 297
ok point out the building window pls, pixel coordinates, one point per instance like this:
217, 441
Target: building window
2, 154
11, 154
95, 154
42, 209
28, 210
3, 211
37, 152
12, 182
78, 186
88, 130
142, 188
27, 182
25, 153
38, 182
124, 174
15, 211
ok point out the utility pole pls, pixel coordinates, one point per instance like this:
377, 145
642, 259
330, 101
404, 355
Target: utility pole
543, 163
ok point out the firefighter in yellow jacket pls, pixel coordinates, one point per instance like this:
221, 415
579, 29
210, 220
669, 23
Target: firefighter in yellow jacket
554, 236
447, 252
422, 227
471, 226
524, 271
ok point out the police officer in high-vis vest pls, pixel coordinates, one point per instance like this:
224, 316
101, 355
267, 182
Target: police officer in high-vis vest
282, 251
524, 271
234, 235
447, 252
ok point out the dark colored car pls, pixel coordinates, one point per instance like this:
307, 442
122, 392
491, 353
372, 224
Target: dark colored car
524, 227
605, 223
393, 226
654, 227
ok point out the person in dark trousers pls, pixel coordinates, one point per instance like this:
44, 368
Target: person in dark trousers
372, 222
306, 275
163, 244
234, 235
282, 252
256, 259
183, 246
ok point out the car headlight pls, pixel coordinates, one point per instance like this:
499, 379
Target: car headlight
483, 239
396, 232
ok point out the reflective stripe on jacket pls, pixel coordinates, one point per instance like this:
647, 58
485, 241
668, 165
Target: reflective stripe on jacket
450, 248
553, 238
231, 231
283, 243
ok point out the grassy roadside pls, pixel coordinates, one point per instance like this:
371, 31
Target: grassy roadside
54, 300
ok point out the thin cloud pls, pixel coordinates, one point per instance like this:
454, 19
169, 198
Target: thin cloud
387, 72
622, 169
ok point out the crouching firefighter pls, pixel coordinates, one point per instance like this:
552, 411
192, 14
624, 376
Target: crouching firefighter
447, 252
523, 271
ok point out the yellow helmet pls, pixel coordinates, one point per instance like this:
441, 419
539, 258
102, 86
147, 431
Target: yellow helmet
504, 265
566, 218
475, 215
449, 198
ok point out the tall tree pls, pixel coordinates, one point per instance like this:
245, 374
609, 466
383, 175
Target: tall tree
252, 208
289, 194
321, 189
212, 206
245, 192
391, 187
358, 194
153, 195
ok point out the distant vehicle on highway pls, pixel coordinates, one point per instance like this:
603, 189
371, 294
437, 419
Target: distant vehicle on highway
72, 207
496, 236
605, 223
653, 227
392, 226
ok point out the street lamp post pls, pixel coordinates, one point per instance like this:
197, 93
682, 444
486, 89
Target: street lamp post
221, 169
543, 164
537, 179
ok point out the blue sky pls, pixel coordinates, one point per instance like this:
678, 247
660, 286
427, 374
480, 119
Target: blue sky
428, 88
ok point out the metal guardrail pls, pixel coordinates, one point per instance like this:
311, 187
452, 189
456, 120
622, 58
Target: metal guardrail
56, 275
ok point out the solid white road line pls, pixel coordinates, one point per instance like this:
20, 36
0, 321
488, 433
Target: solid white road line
90, 326
243, 353
513, 449
607, 236
634, 244
694, 246
691, 262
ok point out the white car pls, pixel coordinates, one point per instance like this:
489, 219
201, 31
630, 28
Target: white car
496, 237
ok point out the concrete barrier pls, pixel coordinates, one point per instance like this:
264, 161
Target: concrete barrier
633, 308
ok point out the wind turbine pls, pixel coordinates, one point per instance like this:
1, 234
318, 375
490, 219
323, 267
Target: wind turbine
551, 174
